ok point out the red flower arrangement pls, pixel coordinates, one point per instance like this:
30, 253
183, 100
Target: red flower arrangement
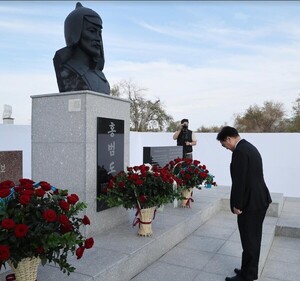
141, 186
40, 220
188, 173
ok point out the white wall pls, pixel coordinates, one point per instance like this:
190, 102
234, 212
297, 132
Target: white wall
280, 153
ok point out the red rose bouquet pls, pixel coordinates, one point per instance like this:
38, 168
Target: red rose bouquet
188, 173
40, 220
140, 187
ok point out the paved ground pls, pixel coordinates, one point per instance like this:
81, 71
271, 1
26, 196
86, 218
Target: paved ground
284, 257
209, 254
213, 251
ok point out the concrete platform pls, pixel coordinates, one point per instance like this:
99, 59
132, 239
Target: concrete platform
197, 244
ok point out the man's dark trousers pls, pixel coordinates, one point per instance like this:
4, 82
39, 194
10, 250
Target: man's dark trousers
250, 225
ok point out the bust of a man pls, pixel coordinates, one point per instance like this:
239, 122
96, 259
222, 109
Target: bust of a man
79, 65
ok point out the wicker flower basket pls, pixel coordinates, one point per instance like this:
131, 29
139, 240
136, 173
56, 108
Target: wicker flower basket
27, 269
187, 194
145, 217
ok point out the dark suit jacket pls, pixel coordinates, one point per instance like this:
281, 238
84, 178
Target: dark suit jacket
249, 191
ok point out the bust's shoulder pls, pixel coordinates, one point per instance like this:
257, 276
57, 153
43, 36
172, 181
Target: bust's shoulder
71, 80
75, 66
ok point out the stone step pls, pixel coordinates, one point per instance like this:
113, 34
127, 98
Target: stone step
288, 224
274, 209
120, 254
209, 253
287, 231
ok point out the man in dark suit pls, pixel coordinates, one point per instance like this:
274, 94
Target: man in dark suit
249, 199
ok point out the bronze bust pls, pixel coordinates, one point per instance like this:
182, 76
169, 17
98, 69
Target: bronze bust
79, 65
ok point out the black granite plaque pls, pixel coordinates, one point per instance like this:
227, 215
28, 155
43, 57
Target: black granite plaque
11, 167
110, 153
161, 155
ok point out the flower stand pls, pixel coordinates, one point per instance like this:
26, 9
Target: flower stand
26, 270
144, 218
187, 194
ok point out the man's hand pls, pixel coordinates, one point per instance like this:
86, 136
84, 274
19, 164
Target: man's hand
237, 211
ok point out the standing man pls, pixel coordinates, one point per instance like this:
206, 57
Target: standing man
249, 199
185, 138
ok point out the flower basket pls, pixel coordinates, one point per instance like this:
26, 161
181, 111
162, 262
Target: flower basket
26, 270
144, 218
187, 195
141, 187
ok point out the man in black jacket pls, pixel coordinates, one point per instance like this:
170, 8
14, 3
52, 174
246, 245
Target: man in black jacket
249, 199
185, 138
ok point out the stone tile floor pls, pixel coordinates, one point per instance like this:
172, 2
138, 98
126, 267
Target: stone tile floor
213, 251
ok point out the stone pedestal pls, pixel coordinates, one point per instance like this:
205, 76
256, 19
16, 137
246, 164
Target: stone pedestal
8, 120
64, 146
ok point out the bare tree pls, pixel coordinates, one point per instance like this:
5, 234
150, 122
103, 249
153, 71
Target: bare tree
268, 118
173, 126
211, 129
295, 120
145, 115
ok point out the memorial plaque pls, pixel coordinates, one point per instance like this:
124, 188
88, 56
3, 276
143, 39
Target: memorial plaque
161, 155
11, 167
110, 153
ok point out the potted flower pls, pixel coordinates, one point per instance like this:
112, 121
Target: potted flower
143, 187
39, 222
188, 174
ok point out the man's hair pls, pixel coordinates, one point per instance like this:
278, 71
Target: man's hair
184, 120
227, 131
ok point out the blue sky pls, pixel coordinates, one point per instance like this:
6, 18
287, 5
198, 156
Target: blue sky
205, 60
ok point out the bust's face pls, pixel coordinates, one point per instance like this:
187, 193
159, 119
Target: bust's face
91, 39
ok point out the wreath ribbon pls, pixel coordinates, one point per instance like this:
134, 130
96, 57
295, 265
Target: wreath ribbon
189, 200
138, 220
188, 203
11, 277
